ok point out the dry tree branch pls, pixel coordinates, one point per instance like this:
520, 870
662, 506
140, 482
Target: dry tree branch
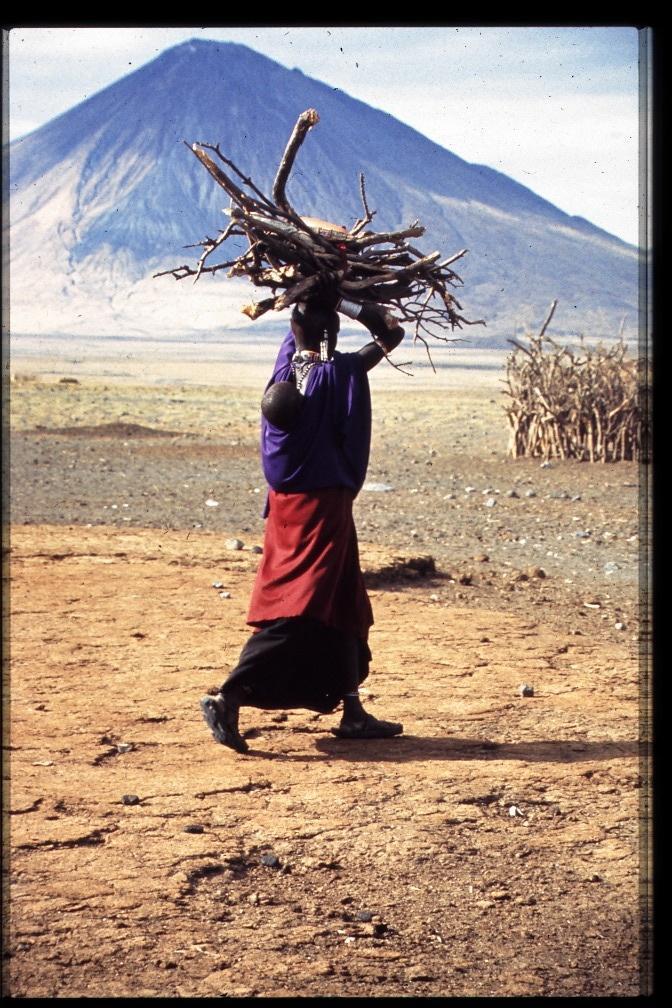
289, 254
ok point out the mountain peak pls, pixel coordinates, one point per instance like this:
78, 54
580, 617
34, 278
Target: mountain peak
110, 185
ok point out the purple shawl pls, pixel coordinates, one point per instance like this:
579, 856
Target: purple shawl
330, 446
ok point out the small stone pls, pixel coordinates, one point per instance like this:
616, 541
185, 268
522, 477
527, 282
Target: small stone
217, 584
280, 717
582, 534
377, 487
536, 572
620, 626
530, 493
364, 915
490, 502
482, 558
525, 690
470, 489
513, 493
256, 549
130, 799
485, 904
124, 747
449, 496
595, 877
225, 594
211, 503
234, 544
611, 568
434, 598
514, 811
270, 860
546, 465
465, 579
525, 901
194, 828
500, 894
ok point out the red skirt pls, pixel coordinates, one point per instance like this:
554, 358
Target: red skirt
310, 565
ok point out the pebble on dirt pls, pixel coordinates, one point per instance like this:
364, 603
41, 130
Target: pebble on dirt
525, 690
234, 544
270, 860
130, 799
194, 828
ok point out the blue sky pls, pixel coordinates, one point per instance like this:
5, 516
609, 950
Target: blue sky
554, 108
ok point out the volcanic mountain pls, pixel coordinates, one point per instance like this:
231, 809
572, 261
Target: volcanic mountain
107, 194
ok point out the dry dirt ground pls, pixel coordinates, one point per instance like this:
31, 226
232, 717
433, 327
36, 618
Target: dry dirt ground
499, 847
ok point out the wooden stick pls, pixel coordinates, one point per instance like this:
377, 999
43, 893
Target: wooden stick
304, 124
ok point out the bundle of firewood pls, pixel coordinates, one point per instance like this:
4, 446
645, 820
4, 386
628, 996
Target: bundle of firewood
289, 254
579, 403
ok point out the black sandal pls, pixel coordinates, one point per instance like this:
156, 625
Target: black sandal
222, 723
369, 728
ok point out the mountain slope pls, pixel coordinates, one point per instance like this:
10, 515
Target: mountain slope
107, 193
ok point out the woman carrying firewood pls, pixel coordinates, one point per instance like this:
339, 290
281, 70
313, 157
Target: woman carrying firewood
309, 606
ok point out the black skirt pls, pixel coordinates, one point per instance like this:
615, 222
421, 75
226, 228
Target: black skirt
296, 662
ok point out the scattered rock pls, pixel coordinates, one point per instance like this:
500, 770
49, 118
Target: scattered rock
536, 572
620, 626
465, 579
364, 915
234, 544
217, 584
68, 381
546, 465
514, 811
130, 799
280, 717
611, 568
490, 502
485, 904
500, 894
513, 493
194, 828
211, 503
482, 558
256, 549
124, 747
270, 860
225, 594
525, 690
377, 487
418, 973
530, 493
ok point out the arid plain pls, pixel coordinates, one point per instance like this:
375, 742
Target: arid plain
499, 847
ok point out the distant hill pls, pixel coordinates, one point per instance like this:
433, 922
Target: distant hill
106, 194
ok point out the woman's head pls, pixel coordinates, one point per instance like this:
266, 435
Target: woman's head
310, 325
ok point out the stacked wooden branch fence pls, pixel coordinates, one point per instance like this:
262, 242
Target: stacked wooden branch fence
573, 403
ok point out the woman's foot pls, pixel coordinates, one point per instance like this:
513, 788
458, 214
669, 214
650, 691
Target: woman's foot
367, 727
222, 720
